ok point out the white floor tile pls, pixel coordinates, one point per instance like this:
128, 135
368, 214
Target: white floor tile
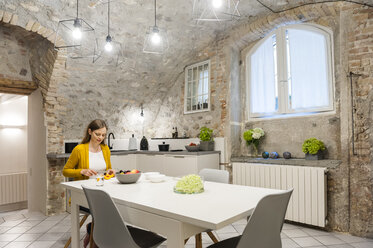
315, 232
306, 241
12, 223
287, 226
295, 233
226, 229
28, 237
349, 238
59, 229
3, 243
51, 236
239, 228
30, 223
340, 246
41, 244
288, 243
18, 229
4, 229
8, 237
362, 245
329, 240
17, 245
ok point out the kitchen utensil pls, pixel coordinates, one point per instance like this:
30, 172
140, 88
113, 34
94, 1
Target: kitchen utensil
163, 147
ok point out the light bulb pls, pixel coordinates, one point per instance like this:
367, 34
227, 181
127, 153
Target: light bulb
108, 47
217, 3
77, 30
156, 38
77, 33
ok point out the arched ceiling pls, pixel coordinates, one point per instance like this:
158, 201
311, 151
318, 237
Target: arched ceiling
129, 21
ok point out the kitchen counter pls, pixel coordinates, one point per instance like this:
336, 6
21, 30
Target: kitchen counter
126, 152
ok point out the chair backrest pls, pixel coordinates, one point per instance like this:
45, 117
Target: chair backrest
109, 230
213, 175
265, 224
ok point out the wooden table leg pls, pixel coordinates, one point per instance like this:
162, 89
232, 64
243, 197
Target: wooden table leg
198, 240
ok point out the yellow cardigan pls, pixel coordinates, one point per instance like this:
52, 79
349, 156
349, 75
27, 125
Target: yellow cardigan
79, 159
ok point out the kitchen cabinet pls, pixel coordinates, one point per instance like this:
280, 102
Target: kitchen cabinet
123, 162
150, 162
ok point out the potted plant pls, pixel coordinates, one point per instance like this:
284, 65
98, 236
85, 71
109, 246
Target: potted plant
313, 148
252, 137
206, 139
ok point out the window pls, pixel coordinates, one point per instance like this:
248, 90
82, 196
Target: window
290, 72
197, 88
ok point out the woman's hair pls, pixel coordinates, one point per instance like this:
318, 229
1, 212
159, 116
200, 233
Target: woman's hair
94, 125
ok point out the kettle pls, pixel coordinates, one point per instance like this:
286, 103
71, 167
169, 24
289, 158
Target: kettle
132, 143
144, 145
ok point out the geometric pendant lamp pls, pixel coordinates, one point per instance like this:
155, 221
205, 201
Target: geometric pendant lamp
215, 10
78, 37
155, 38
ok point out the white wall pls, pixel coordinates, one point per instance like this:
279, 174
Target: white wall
37, 161
13, 136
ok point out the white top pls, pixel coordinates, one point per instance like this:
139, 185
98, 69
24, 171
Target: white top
96, 162
219, 205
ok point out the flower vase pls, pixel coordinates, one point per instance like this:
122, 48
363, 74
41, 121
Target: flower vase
255, 147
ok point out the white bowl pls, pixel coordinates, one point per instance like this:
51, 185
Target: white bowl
157, 178
149, 174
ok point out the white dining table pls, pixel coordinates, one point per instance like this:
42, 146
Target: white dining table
156, 207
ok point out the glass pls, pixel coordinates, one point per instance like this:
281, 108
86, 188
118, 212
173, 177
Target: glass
100, 178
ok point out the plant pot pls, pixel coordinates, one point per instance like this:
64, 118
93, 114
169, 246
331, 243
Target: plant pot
206, 145
318, 156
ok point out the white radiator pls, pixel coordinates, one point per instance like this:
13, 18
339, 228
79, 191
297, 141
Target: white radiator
308, 201
13, 188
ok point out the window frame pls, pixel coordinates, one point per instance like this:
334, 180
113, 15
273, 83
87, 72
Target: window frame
196, 65
284, 109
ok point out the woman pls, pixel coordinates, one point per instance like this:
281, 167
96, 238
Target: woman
91, 156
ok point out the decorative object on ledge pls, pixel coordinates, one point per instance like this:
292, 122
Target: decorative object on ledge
215, 10
79, 38
265, 155
110, 52
155, 39
144, 145
252, 137
286, 155
313, 148
273, 155
206, 139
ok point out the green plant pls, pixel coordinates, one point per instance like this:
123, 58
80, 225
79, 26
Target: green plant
252, 137
312, 146
206, 134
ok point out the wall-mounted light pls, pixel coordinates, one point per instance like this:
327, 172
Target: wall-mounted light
142, 118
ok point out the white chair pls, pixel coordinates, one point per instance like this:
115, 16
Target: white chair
109, 230
211, 175
265, 224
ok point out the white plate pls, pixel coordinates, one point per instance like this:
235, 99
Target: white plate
150, 174
157, 178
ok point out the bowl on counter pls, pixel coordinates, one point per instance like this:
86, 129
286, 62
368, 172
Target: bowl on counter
157, 178
127, 178
192, 148
149, 174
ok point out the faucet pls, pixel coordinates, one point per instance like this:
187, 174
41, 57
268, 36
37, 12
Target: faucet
108, 141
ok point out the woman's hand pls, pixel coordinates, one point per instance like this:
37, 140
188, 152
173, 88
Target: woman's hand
88, 172
111, 171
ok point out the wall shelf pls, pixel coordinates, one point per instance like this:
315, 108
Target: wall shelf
328, 163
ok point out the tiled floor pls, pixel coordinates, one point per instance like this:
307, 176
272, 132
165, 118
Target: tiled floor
34, 230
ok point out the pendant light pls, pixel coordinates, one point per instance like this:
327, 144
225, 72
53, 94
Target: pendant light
76, 36
215, 10
111, 51
155, 38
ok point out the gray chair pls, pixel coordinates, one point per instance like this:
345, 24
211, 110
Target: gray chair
109, 230
211, 175
264, 226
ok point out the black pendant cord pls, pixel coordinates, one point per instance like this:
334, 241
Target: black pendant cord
155, 13
328, 1
108, 18
77, 9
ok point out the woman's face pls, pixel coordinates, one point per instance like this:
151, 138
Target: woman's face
98, 135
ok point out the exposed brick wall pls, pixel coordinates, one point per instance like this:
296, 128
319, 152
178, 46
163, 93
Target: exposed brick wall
360, 57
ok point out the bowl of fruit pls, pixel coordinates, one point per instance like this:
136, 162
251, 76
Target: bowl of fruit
192, 147
128, 176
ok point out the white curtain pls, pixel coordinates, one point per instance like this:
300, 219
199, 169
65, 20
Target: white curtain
308, 69
262, 79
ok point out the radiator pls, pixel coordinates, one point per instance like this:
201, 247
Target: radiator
308, 201
13, 188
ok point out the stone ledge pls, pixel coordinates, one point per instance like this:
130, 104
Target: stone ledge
328, 163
